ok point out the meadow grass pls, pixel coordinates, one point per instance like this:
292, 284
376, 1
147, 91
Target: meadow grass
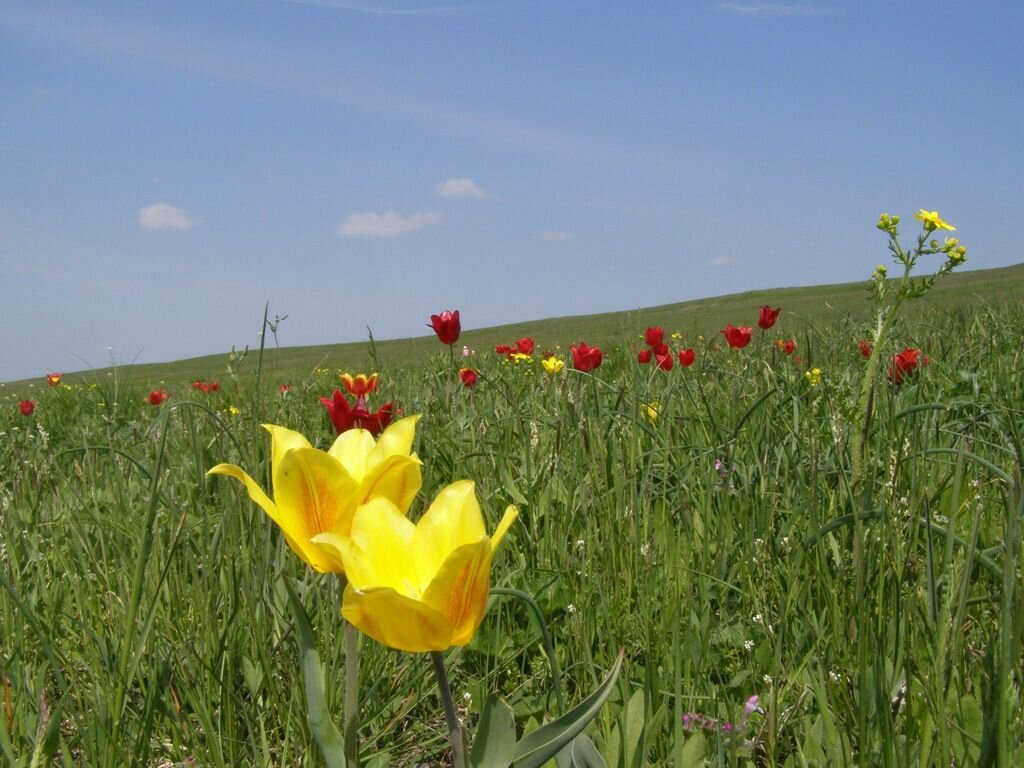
145, 615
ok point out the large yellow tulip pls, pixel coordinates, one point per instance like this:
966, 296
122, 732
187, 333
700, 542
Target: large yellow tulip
318, 492
418, 587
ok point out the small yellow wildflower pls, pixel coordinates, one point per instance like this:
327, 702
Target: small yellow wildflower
933, 221
677, 335
519, 357
232, 410
813, 377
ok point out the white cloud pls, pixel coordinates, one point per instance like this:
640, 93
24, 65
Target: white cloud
555, 235
776, 9
165, 216
724, 261
388, 224
458, 188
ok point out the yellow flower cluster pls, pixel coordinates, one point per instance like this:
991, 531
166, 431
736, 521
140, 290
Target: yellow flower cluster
813, 376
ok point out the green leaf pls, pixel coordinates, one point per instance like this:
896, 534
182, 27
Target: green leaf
327, 735
495, 741
694, 750
580, 753
534, 750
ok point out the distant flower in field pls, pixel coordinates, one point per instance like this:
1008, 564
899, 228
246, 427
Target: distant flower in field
654, 336
157, 396
468, 376
737, 337
232, 410
584, 358
519, 357
865, 348
465, 351
318, 491
27, 407
650, 410
553, 365
525, 345
686, 357
53, 379
767, 316
813, 376
663, 357
417, 587
905, 363
933, 221
206, 387
786, 346
345, 417
359, 385
447, 326
677, 335
503, 349
644, 355
284, 389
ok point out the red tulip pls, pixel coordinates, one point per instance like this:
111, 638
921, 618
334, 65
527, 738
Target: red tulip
655, 336
786, 346
644, 356
503, 349
686, 357
468, 376
865, 348
27, 407
157, 396
345, 417
447, 326
905, 363
767, 317
584, 358
53, 379
360, 384
524, 346
738, 337
663, 358
284, 389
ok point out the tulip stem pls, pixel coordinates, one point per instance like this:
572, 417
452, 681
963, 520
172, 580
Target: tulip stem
351, 724
450, 715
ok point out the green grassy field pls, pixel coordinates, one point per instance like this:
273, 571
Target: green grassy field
723, 540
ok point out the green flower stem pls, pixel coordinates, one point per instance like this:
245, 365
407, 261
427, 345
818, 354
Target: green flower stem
351, 723
450, 715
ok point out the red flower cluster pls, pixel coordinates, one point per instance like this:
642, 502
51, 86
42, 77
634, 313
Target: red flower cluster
523, 346
656, 349
447, 326
206, 387
584, 358
27, 407
345, 416
905, 363
786, 346
468, 376
737, 337
157, 396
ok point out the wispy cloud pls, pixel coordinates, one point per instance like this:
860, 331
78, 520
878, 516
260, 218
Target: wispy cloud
724, 261
381, 9
776, 9
556, 235
388, 224
165, 216
456, 187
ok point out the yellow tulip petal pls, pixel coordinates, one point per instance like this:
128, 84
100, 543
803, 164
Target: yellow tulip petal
396, 440
452, 520
314, 494
352, 448
332, 547
379, 552
460, 589
282, 440
399, 479
396, 621
510, 516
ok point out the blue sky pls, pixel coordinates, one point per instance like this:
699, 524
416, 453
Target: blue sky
167, 168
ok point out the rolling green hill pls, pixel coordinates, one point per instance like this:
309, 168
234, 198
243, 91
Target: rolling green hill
844, 302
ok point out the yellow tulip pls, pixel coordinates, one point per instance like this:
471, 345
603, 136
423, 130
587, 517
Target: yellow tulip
318, 492
553, 365
418, 587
